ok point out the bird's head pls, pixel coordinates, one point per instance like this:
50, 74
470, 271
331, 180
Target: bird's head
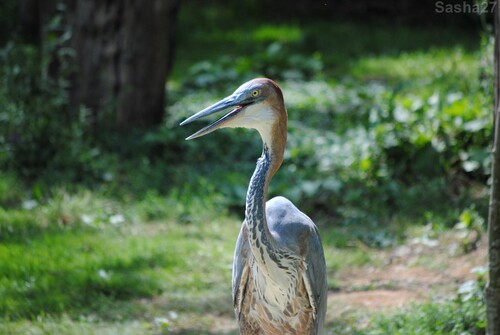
256, 104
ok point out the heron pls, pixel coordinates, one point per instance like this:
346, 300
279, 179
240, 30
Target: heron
279, 283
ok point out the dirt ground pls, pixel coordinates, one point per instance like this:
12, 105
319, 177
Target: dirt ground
419, 271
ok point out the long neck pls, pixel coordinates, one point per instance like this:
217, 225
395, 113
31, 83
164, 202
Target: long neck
262, 243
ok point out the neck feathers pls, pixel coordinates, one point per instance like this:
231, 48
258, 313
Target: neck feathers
262, 242
273, 132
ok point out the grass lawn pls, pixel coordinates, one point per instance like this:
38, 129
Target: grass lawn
161, 266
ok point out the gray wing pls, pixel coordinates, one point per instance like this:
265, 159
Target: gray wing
295, 231
240, 269
316, 274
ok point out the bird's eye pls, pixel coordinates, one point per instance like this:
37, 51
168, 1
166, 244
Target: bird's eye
255, 93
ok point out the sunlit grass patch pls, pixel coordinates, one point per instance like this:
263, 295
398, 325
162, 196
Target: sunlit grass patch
434, 64
261, 33
81, 267
65, 270
356, 255
68, 326
282, 33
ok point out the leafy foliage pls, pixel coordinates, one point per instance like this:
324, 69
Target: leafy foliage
465, 315
34, 108
360, 149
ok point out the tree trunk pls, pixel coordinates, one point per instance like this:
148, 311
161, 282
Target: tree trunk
124, 50
493, 287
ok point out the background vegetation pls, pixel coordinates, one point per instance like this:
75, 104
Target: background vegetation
132, 233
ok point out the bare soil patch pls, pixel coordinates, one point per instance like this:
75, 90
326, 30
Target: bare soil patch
419, 271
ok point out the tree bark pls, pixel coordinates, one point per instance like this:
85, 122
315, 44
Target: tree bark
124, 50
493, 287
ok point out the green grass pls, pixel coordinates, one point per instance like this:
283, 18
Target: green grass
67, 326
341, 45
93, 274
438, 318
80, 269
80, 254
445, 318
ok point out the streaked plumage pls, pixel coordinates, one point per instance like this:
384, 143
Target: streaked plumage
279, 279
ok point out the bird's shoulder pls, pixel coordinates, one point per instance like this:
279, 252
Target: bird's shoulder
289, 226
282, 212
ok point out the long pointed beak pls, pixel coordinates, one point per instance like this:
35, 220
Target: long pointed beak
230, 101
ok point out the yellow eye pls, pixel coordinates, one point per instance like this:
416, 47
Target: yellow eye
255, 93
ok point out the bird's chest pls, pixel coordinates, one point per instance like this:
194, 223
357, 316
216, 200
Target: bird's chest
277, 305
